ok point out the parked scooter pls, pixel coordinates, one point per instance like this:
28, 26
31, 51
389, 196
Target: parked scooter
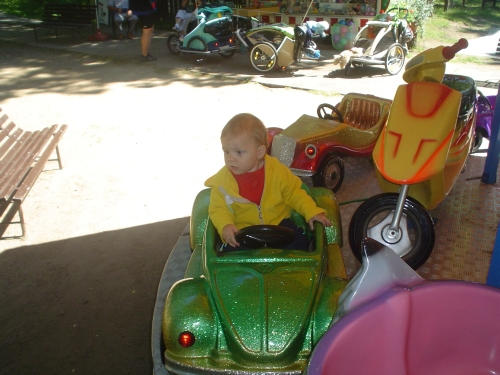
418, 156
213, 34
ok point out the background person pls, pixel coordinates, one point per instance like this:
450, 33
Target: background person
187, 13
122, 13
147, 12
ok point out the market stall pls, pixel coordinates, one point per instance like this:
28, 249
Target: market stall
356, 12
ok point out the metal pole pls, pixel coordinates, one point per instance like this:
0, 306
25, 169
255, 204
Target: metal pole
403, 192
307, 11
493, 278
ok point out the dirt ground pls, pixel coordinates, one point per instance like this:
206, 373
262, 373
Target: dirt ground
77, 294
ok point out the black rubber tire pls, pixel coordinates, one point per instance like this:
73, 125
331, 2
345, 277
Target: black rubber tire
197, 39
227, 54
477, 141
331, 173
418, 219
323, 115
482, 99
395, 59
173, 44
263, 57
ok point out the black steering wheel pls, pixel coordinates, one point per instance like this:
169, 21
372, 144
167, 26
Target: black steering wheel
329, 115
259, 236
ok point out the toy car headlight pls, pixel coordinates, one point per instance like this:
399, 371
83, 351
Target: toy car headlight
186, 339
310, 151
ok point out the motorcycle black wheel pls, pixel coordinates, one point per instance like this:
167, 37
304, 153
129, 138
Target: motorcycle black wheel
173, 44
331, 173
227, 54
374, 216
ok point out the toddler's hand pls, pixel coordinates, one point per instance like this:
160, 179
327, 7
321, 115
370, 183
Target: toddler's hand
320, 218
229, 234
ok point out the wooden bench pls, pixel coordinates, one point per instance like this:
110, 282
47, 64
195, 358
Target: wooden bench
23, 155
66, 16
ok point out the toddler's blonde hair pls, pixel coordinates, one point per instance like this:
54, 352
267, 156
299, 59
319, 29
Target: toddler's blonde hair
248, 124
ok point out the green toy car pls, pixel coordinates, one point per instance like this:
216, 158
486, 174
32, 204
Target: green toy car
248, 311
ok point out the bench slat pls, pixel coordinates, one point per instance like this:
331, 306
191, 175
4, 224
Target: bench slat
3, 119
16, 165
8, 143
23, 155
8, 160
24, 160
5, 131
33, 174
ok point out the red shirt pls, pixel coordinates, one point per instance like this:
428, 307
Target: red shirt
251, 185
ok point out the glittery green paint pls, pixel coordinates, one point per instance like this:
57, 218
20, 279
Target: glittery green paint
252, 311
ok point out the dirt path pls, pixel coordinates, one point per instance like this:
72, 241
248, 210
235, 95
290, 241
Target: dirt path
77, 293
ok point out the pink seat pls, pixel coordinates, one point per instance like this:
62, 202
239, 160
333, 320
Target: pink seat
437, 327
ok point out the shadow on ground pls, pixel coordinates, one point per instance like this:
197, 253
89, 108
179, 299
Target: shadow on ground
83, 305
54, 71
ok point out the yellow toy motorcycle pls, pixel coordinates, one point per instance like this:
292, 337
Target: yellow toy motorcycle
418, 156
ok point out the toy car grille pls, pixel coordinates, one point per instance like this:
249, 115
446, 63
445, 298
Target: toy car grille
283, 148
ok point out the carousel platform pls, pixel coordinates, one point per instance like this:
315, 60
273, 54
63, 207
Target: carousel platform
466, 221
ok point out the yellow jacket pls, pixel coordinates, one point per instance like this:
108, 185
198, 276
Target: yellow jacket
282, 193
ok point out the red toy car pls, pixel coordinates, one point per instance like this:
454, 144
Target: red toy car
311, 146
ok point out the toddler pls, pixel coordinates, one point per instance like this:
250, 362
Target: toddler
254, 187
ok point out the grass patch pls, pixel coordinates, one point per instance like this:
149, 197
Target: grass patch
437, 28
470, 21
471, 18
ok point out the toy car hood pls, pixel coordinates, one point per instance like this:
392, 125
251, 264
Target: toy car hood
255, 304
309, 127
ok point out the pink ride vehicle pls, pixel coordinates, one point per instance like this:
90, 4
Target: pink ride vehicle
390, 321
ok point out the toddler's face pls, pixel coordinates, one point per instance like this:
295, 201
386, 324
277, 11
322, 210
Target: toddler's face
242, 154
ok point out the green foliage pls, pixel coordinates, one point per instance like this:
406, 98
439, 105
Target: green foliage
418, 12
473, 17
33, 8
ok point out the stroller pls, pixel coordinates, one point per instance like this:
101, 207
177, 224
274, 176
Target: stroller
382, 42
280, 45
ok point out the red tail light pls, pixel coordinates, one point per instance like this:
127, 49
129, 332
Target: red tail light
186, 339
217, 44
